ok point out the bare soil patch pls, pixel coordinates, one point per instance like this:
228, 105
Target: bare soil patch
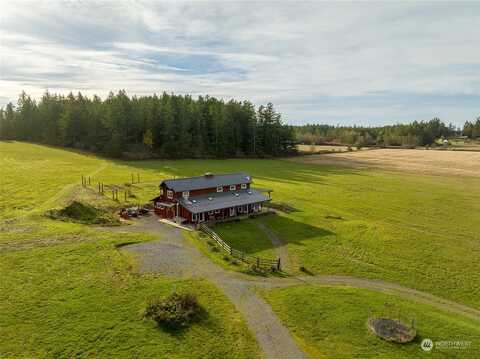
435, 162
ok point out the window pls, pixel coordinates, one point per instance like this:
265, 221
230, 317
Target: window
217, 211
161, 191
232, 211
185, 194
170, 194
244, 186
245, 208
194, 217
233, 187
211, 212
219, 188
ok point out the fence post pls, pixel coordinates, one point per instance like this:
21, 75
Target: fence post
278, 263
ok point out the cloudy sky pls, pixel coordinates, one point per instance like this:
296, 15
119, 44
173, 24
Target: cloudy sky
318, 62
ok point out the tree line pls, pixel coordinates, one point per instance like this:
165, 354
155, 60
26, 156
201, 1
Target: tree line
166, 126
472, 129
422, 133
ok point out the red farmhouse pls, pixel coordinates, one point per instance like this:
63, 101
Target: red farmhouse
208, 197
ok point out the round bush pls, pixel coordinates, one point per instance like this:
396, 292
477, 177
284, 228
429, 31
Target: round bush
175, 311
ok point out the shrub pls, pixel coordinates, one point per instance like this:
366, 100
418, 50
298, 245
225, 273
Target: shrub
174, 312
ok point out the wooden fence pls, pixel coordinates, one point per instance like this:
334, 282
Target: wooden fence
259, 262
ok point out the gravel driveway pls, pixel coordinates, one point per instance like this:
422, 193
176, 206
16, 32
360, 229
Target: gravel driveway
173, 255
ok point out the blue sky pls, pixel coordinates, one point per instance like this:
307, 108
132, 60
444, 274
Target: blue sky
317, 62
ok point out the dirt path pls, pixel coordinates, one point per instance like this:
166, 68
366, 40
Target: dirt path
173, 255
379, 286
280, 247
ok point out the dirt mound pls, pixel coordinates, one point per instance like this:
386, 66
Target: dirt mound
392, 330
84, 213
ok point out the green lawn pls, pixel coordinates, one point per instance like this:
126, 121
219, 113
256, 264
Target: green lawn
417, 230
413, 229
67, 291
247, 237
82, 297
331, 322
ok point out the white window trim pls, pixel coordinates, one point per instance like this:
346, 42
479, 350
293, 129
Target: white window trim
243, 186
186, 194
170, 194
161, 191
194, 217
217, 211
233, 187
232, 211
219, 188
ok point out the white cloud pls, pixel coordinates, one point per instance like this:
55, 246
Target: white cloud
333, 62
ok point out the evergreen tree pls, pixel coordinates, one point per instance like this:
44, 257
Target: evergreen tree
168, 126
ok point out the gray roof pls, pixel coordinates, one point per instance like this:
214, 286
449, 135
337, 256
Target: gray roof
213, 201
200, 182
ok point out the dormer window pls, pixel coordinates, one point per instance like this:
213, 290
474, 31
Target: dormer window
186, 194
233, 187
244, 186
219, 188
169, 194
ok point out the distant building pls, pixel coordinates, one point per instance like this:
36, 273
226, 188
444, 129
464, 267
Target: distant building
208, 197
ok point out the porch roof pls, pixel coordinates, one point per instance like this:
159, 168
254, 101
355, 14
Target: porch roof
215, 201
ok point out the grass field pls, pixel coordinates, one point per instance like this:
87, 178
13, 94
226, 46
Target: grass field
420, 230
332, 323
440, 162
82, 299
67, 291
